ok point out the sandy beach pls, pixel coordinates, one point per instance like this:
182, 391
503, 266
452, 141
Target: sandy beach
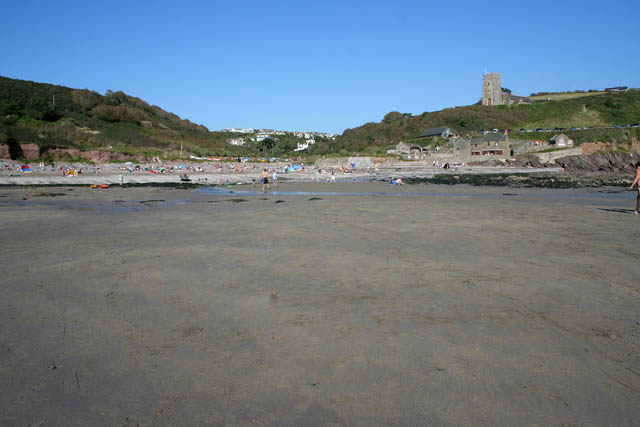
319, 304
225, 173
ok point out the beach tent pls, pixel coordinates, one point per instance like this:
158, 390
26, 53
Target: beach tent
26, 168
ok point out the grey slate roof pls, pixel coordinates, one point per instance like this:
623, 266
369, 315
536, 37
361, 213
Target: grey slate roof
436, 131
522, 98
490, 137
495, 137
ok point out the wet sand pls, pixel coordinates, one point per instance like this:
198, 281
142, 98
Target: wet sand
456, 306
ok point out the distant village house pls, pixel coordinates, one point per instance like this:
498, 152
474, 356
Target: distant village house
561, 140
236, 141
492, 145
461, 151
408, 148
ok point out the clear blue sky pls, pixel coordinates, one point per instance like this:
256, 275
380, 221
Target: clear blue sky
323, 66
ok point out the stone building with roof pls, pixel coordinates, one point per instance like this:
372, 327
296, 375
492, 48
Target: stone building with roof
408, 148
492, 145
461, 151
561, 140
440, 132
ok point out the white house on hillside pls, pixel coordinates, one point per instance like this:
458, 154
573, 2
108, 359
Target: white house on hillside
236, 141
561, 140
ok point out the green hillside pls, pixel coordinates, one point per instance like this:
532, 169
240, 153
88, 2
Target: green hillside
58, 116
598, 112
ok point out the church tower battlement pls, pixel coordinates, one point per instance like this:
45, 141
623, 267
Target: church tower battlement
492, 89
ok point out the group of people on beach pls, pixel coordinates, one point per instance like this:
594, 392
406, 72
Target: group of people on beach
321, 175
264, 179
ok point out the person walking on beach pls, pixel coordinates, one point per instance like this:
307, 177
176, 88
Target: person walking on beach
275, 179
636, 182
265, 179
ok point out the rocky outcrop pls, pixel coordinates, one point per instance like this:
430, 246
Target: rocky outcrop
539, 180
13, 150
521, 161
30, 151
530, 161
603, 162
593, 147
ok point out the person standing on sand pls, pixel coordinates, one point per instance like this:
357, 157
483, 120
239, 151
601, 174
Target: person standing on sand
275, 179
636, 182
265, 179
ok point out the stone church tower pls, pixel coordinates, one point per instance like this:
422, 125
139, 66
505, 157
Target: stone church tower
492, 89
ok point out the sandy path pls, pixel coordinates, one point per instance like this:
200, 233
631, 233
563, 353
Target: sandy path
344, 310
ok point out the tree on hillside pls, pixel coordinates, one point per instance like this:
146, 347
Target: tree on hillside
8, 107
40, 109
86, 99
394, 116
120, 113
267, 145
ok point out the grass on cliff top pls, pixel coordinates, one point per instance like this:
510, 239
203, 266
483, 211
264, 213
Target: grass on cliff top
583, 118
562, 96
579, 137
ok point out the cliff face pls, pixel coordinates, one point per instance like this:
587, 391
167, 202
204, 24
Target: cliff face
15, 151
600, 162
32, 152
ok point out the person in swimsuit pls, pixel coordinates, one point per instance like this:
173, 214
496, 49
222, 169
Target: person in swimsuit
265, 179
636, 182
